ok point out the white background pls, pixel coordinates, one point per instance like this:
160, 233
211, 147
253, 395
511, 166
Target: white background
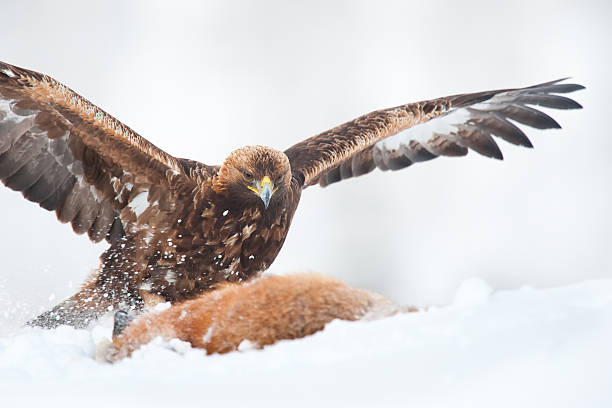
199, 80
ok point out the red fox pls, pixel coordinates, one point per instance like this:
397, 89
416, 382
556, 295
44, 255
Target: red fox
262, 311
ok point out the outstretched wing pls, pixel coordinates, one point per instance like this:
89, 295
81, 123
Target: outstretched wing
73, 158
447, 126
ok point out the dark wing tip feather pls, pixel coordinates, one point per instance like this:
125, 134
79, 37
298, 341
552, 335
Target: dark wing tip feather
548, 101
346, 170
395, 159
556, 81
502, 128
559, 88
417, 152
478, 140
530, 117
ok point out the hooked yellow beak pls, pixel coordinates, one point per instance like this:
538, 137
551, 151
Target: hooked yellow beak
264, 188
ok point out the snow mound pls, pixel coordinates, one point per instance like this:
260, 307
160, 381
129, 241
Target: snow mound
472, 292
525, 347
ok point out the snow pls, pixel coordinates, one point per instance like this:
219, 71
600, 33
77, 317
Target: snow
160, 307
522, 347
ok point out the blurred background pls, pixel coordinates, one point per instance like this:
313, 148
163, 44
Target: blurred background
201, 79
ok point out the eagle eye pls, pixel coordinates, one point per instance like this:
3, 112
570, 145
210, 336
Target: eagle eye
247, 175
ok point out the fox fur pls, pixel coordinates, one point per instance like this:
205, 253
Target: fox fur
262, 311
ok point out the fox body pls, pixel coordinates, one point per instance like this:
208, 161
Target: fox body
262, 312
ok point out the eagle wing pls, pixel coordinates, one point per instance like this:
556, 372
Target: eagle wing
73, 158
395, 138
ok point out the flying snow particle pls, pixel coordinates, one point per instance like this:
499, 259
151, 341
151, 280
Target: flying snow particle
160, 307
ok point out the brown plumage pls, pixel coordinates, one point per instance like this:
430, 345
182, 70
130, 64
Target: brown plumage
177, 227
263, 312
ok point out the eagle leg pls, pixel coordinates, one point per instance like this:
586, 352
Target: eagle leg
122, 320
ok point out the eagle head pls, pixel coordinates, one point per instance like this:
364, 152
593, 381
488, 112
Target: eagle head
254, 174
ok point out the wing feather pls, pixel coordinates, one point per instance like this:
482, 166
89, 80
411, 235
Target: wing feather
502, 128
529, 116
395, 138
71, 157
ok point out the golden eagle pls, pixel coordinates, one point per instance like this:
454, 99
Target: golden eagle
177, 227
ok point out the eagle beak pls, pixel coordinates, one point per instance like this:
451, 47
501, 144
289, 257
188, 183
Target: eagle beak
264, 189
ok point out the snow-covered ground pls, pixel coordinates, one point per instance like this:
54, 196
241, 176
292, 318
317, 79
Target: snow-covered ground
515, 348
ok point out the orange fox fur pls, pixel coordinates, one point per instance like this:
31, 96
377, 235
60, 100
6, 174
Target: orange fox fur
262, 312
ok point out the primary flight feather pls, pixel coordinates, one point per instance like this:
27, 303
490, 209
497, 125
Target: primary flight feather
177, 227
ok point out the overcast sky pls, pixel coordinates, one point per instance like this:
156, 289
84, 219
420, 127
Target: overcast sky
200, 80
